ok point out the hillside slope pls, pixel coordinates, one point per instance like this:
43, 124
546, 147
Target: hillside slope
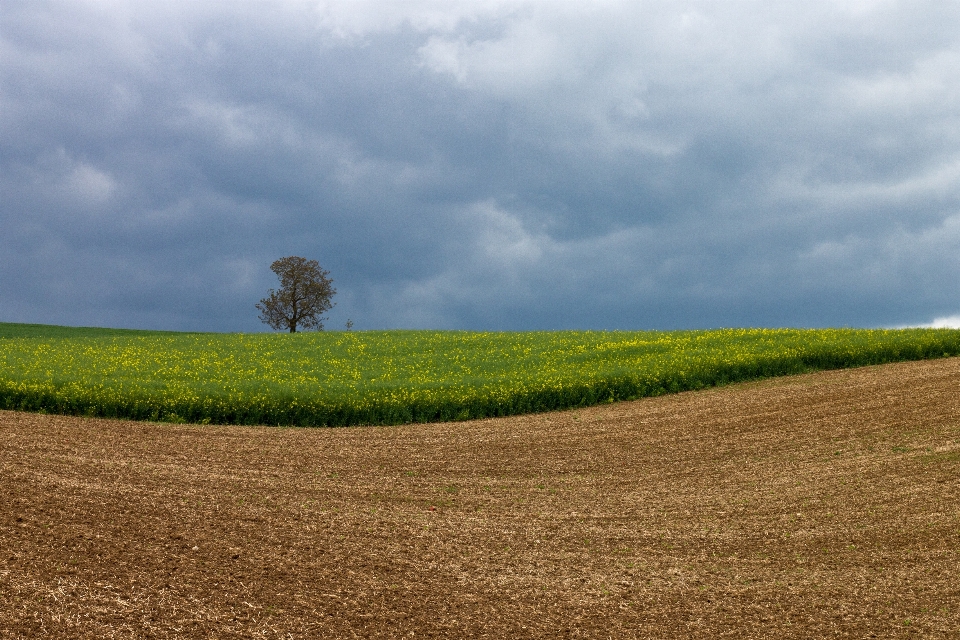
810, 506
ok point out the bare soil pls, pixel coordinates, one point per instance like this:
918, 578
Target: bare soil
823, 505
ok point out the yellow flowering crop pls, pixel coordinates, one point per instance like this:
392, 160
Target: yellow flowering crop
388, 377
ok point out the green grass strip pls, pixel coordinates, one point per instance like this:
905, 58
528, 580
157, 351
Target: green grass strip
392, 377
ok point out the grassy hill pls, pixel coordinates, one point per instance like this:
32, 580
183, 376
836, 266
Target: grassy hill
391, 377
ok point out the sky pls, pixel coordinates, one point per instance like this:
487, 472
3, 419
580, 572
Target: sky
482, 165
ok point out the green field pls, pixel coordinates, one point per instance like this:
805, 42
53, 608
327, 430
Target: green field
392, 377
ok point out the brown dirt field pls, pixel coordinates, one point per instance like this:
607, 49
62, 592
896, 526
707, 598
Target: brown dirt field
823, 505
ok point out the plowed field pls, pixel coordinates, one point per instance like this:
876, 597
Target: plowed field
823, 505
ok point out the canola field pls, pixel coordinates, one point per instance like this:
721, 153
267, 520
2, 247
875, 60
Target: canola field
393, 377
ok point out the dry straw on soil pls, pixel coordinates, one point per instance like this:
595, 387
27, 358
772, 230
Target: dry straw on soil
813, 506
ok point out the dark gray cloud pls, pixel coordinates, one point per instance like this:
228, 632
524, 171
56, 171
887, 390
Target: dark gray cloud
482, 165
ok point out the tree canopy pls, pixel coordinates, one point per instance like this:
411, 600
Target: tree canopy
304, 295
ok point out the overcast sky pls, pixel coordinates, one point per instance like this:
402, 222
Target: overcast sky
488, 165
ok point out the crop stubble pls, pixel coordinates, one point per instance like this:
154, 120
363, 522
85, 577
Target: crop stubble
817, 505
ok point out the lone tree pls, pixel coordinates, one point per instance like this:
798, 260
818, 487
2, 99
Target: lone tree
305, 292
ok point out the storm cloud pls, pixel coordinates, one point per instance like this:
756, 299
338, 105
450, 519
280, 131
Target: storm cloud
499, 165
